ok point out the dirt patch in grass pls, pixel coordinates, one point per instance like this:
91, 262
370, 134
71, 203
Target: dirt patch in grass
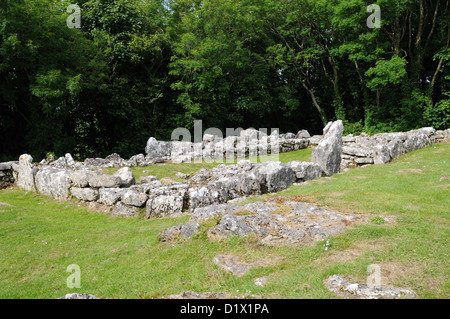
410, 170
352, 252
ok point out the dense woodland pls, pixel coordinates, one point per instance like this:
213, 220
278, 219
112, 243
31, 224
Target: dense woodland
141, 68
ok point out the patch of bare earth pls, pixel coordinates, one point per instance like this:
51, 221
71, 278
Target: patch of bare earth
410, 170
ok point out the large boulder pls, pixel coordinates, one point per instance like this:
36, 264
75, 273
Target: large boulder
80, 178
164, 205
213, 193
97, 180
305, 171
53, 182
109, 196
329, 150
85, 194
133, 198
277, 176
416, 141
157, 149
126, 177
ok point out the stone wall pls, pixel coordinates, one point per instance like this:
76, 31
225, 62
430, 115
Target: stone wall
385, 147
122, 195
6, 175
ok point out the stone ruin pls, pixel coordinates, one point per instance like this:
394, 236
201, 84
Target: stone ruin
121, 194
210, 194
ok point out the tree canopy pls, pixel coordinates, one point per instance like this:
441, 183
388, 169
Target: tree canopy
141, 68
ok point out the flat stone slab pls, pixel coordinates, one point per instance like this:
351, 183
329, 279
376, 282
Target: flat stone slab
234, 265
344, 288
286, 223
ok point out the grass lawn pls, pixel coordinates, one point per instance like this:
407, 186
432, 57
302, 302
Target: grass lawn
121, 258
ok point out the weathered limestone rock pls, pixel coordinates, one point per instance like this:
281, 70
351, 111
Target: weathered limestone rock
381, 154
305, 171
53, 182
69, 159
395, 148
97, 180
328, 152
133, 198
80, 178
157, 149
86, 194
278, 176
291, 223
109, 196
26, 172
126, 177
121, 209
344, 288
416, 142
214, 193
164, 205
234, 265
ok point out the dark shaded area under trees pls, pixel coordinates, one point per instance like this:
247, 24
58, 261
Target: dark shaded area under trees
137, 69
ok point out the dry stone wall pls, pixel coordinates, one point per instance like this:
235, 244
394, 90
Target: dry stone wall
65, 178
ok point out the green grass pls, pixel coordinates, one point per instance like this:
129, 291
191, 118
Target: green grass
121, 258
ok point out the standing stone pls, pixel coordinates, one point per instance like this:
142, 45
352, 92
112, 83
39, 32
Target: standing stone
329, 150
26, 172
157, 149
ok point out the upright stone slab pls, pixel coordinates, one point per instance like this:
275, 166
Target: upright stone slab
329, 150
26, 172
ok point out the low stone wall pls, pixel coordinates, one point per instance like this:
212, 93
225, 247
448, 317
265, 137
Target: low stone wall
122, 195
6, 175
386, 147
125, 197
250, 142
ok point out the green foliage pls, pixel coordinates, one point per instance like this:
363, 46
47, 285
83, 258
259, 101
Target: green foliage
137, 69
437, 115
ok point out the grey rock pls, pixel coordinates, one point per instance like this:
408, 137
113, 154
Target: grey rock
302, 134
79, 296
381, 154
164, 205
230, 225
395, 148
195, 295
53, 182
157, 149
416, 142
121, 209
189, 229
305, 171
133, 198
147, 179
213, 211
170, 234
278, 176
126, 177
26, 172
98, 180
69, 159
80, 178
234, 265
109, 196
214, 193
328, 152
85, 194
343, 287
